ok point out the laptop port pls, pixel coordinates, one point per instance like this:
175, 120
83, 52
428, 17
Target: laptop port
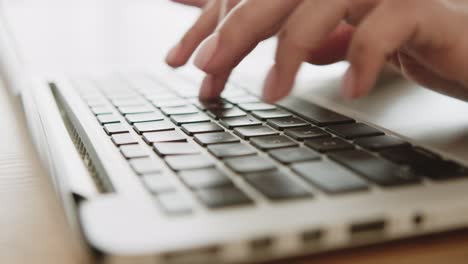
312, 236
367, 230
418, 219
261, 244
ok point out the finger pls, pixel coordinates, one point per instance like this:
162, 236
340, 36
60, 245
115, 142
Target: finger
197, 3
249, 23
202, 28
375, 40
302, 34
213, 85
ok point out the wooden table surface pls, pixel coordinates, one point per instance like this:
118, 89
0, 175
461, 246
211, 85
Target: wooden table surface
32, 225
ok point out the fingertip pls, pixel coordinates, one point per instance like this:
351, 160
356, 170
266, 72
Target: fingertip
349, 84
211, 87
274, 89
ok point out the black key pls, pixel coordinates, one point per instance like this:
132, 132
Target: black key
125, 110
376, 169
222, 113
164, 136
254, 131
174, 102
304, 133
190, 118
199, 128
144, 166
250, 164
425, 163
108, 119
293, 155
330, 177
204, 178
233, 122
231, 150
123, 139
133, 151
215, 104
157, 183
101, 110
313, 113
179, 148
286, 122
189, 162
355, 130
381, 142
215, 138
155, 126
242, 99
180, 110
174, 203
116, 128
273, 142
328, 144
223, 197
277, 185
256, 106
138, 118
269, 114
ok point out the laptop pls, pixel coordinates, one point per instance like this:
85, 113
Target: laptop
148, 173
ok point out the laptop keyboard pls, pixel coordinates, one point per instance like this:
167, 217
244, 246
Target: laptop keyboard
289, 151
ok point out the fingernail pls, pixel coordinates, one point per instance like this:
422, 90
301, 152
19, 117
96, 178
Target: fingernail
349, 84
269, 88
206, 52
173, 54
206, 89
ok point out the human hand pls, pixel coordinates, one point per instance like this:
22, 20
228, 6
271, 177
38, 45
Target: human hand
424, 39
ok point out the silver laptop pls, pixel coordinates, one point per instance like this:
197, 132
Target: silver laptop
150, 174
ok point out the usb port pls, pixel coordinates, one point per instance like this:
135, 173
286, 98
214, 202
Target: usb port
367, 230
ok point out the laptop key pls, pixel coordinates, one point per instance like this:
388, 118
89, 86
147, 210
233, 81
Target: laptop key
256, 106
174, 102
189, 162
148, 117
425, 163
273, 142
286, 122
174, 203
108, 119
354, 130
190, 118
133, 151
254, 131
293, 155
313, 113
277, 185
101, 110
157, 183
330, 177
223, 113
199, 128
178, 148
155, 126
163, 136
180, 110
222, 197
144, 166
215, 138
269, 114
123, 139
215, 104
250, 164
328, 144
304, 133
380, 142
376, 169
233, 122
128, 102
205, 178
116, 128
242, 99
231, 150
125, 110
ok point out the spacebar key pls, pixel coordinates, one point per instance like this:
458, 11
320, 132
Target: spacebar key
313, 113
375, 169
